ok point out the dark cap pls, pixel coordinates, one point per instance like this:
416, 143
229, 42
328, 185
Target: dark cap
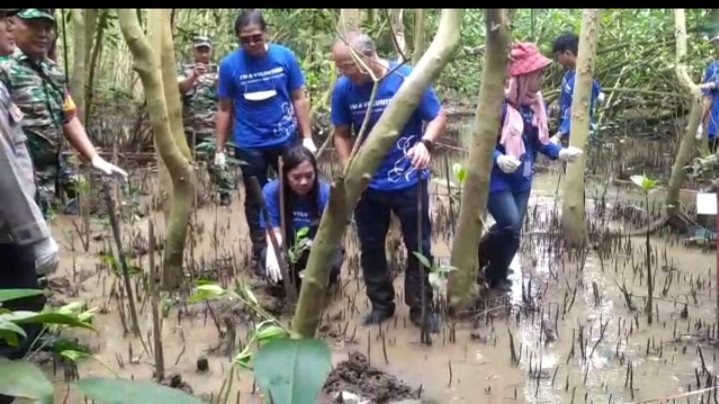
35, 13
199, 41
9, 11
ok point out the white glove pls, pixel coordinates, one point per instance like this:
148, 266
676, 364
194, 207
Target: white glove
508, 164
600, 98
309, 145
555, 139
570, 153
272, 266
699, 132
107, 168
220, 160
47, 256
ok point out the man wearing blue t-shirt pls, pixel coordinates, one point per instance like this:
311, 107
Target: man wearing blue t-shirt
399, 180
262, 85
565, 49
710, 103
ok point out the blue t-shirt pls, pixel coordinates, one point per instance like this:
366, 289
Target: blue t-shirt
301, 209
349, 105
521, 179
565, 102
261, 91
712, 75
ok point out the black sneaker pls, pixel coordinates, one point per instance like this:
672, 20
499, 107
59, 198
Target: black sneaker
377, 316
415, 316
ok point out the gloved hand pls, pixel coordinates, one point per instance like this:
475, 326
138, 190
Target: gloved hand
508, 164
272, 265
555, 139
220, 160
570, 153
600, 98
109, 169
309, 144
47, 256
698, 136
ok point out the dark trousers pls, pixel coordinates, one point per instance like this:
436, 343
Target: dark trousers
372, 217
18, 272
501, 242
301, 264
255, 163
713, 143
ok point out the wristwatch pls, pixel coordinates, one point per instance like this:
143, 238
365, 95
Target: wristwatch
428, 144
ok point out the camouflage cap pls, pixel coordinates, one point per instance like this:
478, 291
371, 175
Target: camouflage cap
199, 41
35, 13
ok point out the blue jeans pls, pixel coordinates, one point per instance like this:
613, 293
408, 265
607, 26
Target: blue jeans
502, 240
255, 163
372, 217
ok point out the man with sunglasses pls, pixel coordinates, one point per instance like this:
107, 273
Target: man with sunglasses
261, 84
26, 244
198, 87
38, 88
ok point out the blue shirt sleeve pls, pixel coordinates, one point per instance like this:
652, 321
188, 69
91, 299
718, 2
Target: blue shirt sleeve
324, 195
295, 76
709, 76
270, 194
339, 110
550, 150
429, 105
225, 84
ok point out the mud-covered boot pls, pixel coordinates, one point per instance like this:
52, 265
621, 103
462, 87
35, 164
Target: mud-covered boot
376, 316
415, 315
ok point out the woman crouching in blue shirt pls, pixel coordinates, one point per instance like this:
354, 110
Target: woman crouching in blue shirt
523, 134
306, 197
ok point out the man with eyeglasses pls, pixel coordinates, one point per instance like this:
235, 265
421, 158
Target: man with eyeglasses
27, 247
399, 182
198, 87
37, 86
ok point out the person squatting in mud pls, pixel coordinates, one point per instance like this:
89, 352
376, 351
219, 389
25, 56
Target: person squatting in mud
305, 198
565, 48
27, 248
401, 177
38, 88
523, 134
709, 123
198, 87
264, 85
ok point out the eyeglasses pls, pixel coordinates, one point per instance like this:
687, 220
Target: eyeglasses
251, 39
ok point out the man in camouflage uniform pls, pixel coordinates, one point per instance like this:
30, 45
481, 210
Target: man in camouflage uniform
38, 87
198, 86
27, 248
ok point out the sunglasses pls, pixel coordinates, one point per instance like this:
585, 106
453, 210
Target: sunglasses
252, 39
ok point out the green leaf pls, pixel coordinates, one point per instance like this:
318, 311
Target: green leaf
267, 332
12, 294
9, 332
206, 291
292, 371
23, 379
460, 172
302, 232
26, 317
422, 259
106, 390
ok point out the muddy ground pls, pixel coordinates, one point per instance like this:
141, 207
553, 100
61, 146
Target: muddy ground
575, 337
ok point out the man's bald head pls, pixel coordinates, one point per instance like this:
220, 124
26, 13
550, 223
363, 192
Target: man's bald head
363, 47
